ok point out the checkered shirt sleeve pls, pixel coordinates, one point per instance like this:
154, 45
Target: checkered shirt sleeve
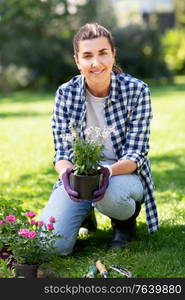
138, 128
60, 125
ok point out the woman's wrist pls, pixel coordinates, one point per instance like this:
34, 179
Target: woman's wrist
110, 169
62, 172
61, 167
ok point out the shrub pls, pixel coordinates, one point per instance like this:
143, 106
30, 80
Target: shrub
174, 50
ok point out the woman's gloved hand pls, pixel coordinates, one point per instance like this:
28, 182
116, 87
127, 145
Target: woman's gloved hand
99, 194
65, 178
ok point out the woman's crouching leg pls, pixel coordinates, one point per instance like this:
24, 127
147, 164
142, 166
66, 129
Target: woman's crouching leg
69, 216
120, 199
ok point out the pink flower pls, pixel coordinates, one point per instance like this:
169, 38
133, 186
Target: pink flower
2, 222
50, 226
10, 219
30, 214
33, 222
40, 223
32, 234
52, 219
23, 232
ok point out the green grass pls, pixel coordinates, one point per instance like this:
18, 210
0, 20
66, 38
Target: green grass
27, 175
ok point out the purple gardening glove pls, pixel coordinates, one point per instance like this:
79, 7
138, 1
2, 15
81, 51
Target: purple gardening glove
99, 194
65, 178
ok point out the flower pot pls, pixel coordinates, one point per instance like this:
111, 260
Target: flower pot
26, 271
85, 185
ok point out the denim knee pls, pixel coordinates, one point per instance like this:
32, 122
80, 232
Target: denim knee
119, 201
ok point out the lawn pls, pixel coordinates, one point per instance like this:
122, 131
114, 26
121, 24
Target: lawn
27, 176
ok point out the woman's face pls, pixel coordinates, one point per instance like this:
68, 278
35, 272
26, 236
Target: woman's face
95, 60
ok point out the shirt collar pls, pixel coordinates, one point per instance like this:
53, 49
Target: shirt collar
80, 81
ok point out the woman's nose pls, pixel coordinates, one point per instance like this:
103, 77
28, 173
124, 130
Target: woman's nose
95, 62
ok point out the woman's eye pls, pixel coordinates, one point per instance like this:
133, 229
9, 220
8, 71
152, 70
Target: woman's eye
103, 53
87, 56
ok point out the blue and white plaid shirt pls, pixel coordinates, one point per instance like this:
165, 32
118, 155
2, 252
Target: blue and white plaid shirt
128, 109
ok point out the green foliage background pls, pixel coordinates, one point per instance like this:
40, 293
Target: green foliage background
36, 42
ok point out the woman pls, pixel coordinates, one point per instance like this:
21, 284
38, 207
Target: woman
103, 95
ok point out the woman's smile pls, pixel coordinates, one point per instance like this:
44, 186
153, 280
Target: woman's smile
97, 72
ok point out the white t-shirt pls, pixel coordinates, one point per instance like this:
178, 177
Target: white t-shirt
95, 117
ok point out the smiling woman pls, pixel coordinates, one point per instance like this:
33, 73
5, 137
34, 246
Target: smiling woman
102, 95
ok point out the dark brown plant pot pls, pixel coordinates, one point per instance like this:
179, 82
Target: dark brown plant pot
26, 271
85, 185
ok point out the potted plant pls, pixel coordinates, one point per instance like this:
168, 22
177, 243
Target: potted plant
31, 242
87, 155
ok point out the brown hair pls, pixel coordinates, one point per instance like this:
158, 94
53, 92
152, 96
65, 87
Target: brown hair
91, 31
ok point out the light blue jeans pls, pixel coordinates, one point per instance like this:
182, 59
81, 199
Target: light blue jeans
118, 202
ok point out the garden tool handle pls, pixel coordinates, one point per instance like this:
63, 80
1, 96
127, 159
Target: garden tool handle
101, 268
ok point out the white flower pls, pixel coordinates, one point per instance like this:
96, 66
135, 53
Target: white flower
93, 134
97, 135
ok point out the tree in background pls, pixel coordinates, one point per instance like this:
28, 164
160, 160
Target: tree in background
35, 35
36, 42
174, 50
140, 52
100, 11
173, 42
36, 39
180, 14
